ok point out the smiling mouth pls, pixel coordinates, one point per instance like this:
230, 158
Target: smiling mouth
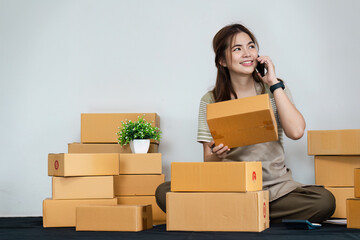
247, 63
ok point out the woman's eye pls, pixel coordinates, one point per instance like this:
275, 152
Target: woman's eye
237, 49
251, 46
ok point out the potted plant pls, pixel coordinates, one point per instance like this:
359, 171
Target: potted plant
138, 134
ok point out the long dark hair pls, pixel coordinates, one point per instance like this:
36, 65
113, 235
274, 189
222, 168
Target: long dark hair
223, 87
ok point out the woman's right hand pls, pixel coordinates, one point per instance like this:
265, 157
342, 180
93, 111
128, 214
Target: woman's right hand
214, 153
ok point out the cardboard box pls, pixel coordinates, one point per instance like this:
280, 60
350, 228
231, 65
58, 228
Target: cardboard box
357, 182
334, 142
217, 211
140, 163
159, 217
61, 213
243, 121
341, 194
125, 185
106, 148
114, 218
83, 164
216, 176
353, 213
82, 187
103, 127
336, 171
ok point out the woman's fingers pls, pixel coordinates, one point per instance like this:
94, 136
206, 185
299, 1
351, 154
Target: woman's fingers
220, 150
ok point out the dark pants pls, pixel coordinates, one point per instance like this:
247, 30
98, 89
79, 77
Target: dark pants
313, 203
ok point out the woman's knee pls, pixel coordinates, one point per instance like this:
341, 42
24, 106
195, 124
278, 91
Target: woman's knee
160, 195
325, 205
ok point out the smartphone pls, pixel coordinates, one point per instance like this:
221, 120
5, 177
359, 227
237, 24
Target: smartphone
261, 68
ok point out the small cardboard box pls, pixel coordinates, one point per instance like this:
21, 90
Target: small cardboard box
243, 121
143, 185
82, 187
353, 213
140, 163
217, 211
103, 127
106, 148
216, 176
357, 182
114, 218
336, 171
334, 142
83, 164
341, 194
159, 217
61, 213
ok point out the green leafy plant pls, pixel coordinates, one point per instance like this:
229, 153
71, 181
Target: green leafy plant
139, 129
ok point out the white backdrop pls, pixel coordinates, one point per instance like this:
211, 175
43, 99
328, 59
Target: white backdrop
59, 59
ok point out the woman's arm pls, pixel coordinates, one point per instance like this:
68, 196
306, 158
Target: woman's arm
291, 119
216, 154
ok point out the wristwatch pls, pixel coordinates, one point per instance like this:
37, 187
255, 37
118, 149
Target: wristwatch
277, 85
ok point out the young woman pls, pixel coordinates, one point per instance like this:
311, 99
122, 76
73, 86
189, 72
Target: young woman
236, 58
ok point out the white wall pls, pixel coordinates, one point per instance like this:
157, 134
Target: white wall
62, 58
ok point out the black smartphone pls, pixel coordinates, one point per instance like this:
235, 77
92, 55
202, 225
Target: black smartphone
261, 68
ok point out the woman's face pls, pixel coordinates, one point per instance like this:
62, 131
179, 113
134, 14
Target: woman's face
241, 55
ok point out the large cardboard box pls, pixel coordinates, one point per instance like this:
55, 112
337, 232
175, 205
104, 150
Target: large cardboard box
353, 213
243, 121
61, 213
140, 163
334, 142
83, 164
341, 194
103, 127
106, 148
82, 187
216, 176
114, 218
159, 217
217, 211
357, 182
125, 185
336, 171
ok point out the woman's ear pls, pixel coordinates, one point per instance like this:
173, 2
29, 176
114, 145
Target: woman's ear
222, 62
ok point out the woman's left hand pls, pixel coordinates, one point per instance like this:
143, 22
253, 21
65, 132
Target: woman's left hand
270, 76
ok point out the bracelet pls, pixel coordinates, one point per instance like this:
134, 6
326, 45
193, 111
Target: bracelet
277, 85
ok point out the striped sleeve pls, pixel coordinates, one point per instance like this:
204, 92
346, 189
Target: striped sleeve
203, 134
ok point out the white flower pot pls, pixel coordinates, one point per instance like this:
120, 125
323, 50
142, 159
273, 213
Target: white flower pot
140, 145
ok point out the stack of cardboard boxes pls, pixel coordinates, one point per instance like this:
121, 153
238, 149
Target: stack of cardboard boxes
337, 154
99, 171
353, 205
217, 196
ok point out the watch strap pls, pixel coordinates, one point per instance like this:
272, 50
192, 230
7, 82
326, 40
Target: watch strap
277, 85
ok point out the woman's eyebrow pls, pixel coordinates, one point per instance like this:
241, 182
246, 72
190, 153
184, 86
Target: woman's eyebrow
240, 45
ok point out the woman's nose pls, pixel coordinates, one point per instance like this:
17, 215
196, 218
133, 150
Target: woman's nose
246, 53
